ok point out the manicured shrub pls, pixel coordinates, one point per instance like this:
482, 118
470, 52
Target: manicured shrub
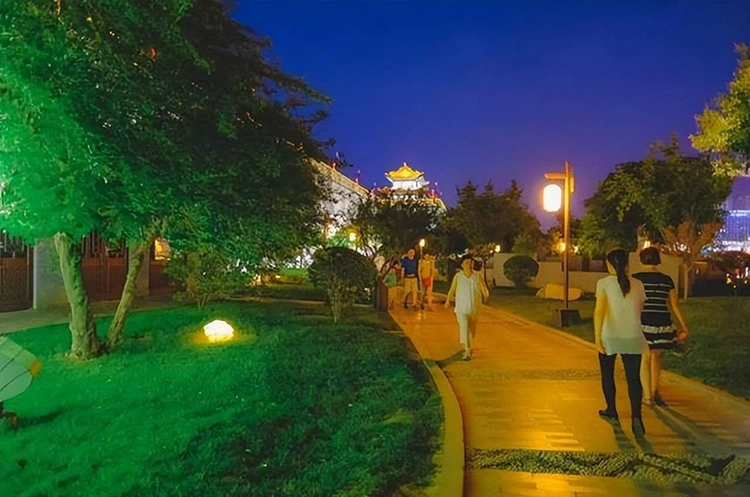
520, 269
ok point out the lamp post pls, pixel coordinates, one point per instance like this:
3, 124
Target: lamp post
421, 247
553, 197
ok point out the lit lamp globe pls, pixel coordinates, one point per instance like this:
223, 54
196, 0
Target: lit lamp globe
421, 243
352, 237
218, 331
552, 197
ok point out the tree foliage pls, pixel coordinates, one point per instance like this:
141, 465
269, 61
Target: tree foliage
660, 193
138, 119
344, 274
724, 127
388, 227
480, 221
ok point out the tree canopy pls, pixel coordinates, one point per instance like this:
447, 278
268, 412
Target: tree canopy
658, 194
480, 221
724, 127
143, 118
388, 228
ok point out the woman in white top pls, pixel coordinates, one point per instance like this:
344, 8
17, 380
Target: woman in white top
617, 330
468, 287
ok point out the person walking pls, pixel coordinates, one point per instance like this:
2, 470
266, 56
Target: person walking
409, 267
656, 322
468, 288
391, 281
427, 276
617, 330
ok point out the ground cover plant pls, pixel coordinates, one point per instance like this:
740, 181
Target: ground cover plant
293, 405
716, 353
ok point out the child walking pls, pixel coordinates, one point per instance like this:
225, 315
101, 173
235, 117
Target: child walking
391, 281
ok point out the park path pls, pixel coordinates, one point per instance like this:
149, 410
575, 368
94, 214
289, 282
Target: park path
531, 388
32, 318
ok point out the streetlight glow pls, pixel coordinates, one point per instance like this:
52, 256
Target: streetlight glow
421, 243
352, 237
552, 197
497, 249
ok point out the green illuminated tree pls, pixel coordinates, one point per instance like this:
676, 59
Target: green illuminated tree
724, 127
137, 119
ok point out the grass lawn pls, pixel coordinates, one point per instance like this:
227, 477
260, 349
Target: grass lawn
718, 350
293, 406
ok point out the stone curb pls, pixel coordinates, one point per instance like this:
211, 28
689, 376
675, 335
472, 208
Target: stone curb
449, 480
674, 377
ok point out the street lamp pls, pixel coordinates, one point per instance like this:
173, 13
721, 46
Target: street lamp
352, 237
553, 196
421, 247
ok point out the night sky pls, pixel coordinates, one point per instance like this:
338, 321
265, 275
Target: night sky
500, 91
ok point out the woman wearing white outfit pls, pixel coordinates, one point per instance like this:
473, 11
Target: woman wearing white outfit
468, 287
617, 330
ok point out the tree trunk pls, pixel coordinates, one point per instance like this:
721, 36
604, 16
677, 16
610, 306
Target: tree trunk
136, 257
85, 342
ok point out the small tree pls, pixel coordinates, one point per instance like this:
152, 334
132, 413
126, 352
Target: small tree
206, 274
343, 273
520, 269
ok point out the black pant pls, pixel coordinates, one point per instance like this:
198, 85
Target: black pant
632, 364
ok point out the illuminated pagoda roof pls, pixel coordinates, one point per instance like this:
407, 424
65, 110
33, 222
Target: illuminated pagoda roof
404, 173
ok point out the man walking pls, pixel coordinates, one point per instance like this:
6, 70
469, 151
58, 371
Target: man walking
409, 270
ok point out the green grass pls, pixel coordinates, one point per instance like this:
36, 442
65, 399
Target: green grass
294, 406
717, 351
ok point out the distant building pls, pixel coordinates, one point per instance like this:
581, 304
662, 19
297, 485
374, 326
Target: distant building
735, 235
408, 183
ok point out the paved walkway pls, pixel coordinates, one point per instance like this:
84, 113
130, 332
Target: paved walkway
32, 318
529, 389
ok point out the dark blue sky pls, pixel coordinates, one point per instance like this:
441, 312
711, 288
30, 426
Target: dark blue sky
505, 90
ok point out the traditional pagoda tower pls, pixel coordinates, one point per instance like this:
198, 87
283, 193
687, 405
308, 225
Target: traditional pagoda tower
408, 183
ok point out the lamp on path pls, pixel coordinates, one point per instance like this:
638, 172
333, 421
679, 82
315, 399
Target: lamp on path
553, 197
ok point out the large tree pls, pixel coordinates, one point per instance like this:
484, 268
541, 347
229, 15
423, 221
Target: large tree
484, 220
676, 200
724, 127
137, 119
388, 227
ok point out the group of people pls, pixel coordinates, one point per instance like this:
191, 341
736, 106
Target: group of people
632, 318
415, 276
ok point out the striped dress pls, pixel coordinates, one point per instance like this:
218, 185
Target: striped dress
656, 318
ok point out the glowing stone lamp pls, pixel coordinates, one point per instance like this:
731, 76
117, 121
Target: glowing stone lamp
218, 331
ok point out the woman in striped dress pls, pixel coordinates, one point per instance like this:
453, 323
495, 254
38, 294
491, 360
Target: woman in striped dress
656, 320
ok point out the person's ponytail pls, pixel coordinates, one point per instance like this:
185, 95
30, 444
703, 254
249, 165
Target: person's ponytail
618, 258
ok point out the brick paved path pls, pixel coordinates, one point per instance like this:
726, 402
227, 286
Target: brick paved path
530, 389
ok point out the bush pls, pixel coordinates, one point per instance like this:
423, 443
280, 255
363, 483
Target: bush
344, 274
206, 275
520, 269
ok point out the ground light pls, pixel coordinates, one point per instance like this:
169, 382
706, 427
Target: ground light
218, 331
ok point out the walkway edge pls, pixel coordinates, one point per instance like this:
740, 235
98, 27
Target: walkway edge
449, 481
675, 377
